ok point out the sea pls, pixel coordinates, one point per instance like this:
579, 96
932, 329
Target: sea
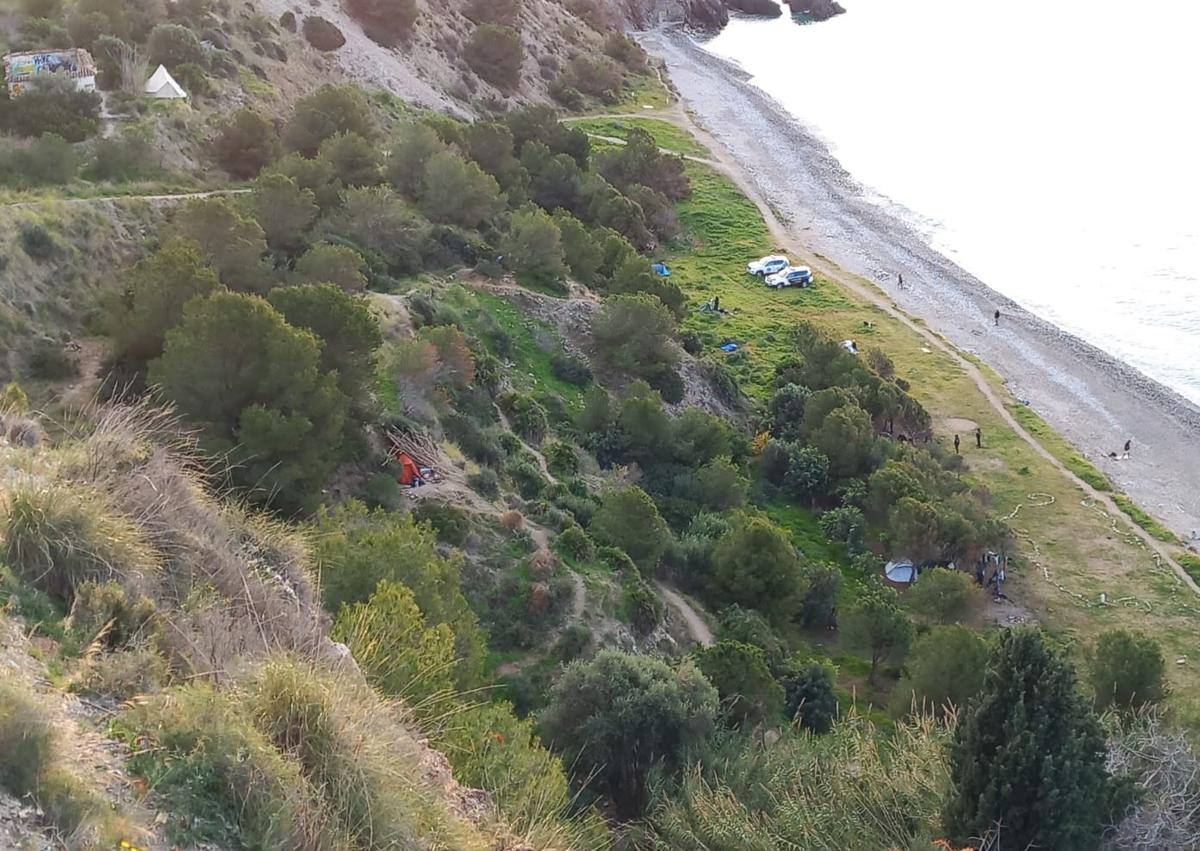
1050, 149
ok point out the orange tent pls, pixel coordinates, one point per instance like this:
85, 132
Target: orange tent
410, 473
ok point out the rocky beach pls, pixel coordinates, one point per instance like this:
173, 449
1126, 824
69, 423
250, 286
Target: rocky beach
1096, 401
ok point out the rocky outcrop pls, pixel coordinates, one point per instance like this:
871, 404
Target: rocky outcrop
764, 8
709, 15
816, 10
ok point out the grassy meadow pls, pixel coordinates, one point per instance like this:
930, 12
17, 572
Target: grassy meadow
1078, 571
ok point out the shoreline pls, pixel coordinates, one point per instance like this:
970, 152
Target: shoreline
1094, 400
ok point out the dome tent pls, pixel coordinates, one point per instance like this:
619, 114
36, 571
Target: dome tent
162, 85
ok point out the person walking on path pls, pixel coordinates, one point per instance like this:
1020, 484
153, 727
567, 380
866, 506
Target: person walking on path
997, 316
956, 444
978, 437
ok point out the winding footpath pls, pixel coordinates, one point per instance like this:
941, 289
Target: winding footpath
100, 199
723, 162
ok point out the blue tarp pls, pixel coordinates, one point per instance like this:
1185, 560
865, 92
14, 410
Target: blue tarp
662, 270
729, 347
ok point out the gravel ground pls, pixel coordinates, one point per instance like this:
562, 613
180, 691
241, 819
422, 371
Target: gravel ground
1096, 401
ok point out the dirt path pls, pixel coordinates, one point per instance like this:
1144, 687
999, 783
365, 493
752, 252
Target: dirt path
579, 603
100, 199
698, 629
536, 453
724, 162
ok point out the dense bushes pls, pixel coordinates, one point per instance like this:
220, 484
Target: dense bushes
619, 716
496, 54
55, 106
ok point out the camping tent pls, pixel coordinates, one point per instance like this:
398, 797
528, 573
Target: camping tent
162, 85
900, 573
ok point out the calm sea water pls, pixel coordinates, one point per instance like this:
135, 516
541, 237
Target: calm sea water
1055, 154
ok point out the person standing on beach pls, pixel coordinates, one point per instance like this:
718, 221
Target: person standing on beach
900, 280
956, 444
1128, 445
997, 316
978, 437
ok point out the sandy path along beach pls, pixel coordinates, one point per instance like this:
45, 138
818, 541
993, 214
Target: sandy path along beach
1091, 398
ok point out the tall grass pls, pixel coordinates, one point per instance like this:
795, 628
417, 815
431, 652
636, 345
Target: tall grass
58, 537
31, 765
199, 749
351, 747
852, 788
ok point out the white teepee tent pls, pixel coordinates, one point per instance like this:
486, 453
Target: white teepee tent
163, 85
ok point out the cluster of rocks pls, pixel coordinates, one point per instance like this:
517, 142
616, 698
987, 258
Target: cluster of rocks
713, 15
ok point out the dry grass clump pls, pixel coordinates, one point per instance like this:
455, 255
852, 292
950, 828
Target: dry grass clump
199, 749
30, 766
351, 746
125, 498
59, 536
1166, 771
122, 674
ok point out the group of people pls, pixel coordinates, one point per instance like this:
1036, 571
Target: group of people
900, 285
978, 440
994, 582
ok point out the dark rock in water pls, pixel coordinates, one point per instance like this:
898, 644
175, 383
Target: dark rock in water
766, 8
816, 10
706, 15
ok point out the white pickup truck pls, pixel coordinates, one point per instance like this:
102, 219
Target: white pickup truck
792, 276
768, 265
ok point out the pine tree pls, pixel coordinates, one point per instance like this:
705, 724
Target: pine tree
1028, 754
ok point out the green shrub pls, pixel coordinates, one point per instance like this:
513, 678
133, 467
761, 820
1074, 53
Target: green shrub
127, 156
809, 698
38, 242
490, 748
451, 524
357, 549
496, 54
1127, 670
194, 79
49, 360
383, 491
245, 144
574, 543
528, 479
527, 416
749, 694
561, 458
644, 607
173, 45
573, 370
942, 595
573, 643
54, 105
944, 671
51, 160
397, 651
485, 482
629, 519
